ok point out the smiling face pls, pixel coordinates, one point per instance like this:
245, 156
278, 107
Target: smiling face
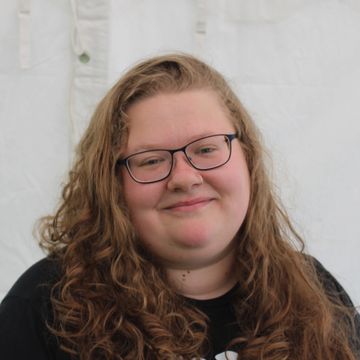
190, 219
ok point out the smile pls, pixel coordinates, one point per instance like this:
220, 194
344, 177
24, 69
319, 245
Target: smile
189, 205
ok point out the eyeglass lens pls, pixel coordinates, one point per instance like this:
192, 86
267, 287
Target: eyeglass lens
203, 154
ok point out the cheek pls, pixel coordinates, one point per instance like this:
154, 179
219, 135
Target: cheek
238, 196
238, 183
140, 198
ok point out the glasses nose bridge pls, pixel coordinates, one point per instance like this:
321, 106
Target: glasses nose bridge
182, 149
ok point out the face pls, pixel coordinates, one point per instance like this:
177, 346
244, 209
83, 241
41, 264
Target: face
191, 218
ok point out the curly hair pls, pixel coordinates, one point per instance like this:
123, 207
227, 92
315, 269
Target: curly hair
113, 302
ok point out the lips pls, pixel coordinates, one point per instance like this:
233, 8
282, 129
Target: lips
190, 204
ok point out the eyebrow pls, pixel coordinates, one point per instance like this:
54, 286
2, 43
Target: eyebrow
145, 147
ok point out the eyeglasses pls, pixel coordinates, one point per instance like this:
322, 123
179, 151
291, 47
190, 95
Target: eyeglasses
206, 153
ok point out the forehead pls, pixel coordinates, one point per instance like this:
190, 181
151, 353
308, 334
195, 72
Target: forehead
173, 119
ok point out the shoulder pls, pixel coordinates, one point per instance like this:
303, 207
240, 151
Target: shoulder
331, 285
24, 312
36, 281
32, 289
31, 292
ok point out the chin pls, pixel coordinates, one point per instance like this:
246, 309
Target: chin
198, 238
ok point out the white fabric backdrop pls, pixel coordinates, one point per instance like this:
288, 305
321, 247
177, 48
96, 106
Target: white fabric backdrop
294, 64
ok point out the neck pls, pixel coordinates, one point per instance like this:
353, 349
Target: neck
207, 282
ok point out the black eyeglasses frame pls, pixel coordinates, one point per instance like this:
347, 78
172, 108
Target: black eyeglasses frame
125, 161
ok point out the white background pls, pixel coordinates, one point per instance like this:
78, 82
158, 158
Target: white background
295, 64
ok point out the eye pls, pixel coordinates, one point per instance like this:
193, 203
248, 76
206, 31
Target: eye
152, 161
206, 150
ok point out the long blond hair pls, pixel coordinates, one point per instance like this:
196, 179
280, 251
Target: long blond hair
113, 302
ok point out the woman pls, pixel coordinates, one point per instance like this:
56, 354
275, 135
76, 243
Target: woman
169, 241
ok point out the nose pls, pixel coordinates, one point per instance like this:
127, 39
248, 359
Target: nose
183, 176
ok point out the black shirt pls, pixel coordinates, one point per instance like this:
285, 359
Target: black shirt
26, 308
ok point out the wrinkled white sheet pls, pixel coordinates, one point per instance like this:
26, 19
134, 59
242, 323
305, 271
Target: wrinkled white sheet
295, 67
